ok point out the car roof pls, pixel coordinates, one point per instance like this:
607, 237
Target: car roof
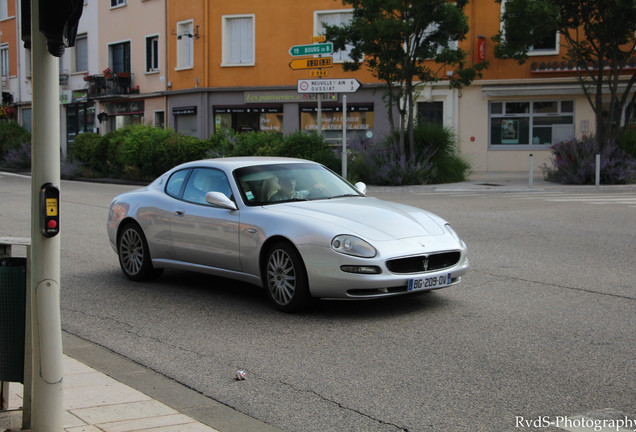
232, 163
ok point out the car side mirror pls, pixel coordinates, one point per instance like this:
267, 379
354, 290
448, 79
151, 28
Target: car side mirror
219, 199
362, 188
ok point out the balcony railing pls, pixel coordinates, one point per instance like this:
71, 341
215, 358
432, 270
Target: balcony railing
110, 84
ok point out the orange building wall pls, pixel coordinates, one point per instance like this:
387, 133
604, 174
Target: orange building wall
279, 24
9, 36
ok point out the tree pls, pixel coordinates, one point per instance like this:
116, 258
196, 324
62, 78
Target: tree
599, 38
401, 41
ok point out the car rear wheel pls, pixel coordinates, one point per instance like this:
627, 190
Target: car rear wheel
134, 256
285, 278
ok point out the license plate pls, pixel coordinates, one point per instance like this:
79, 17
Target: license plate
429, 282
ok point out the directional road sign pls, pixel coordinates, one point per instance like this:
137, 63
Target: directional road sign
344, 85
313, 49
311, 63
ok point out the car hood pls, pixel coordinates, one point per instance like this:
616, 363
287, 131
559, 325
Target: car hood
369, 218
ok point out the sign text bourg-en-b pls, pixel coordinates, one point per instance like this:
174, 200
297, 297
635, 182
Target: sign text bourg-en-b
342, 85
312, 49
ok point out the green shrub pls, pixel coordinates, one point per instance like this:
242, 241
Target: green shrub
114, 142
310, 146
436, 160
302, 145
438, 145
177, 149
12, 135
627, 140
140, 147
91, 151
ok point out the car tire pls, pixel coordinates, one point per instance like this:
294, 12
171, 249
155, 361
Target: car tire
285, 278
134, 255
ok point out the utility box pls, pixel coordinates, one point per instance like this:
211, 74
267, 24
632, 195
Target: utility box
13, 279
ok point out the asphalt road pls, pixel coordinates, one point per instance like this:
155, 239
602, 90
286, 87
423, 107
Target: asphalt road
543, 326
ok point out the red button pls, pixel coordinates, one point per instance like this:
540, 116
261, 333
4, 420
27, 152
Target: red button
52, 224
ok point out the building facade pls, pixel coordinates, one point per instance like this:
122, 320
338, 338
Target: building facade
229, 68
202, 66
130, 84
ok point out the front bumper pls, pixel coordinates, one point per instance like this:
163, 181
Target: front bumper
327, 280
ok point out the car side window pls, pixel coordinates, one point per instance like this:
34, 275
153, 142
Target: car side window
176, 182
204, 180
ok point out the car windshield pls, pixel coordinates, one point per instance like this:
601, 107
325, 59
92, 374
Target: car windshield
272, 184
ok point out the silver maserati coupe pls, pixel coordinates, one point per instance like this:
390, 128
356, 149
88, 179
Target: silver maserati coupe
290, 225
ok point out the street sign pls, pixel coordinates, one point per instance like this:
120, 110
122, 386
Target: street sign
318, 73
321, 38
345, 85
313, 49
311, 63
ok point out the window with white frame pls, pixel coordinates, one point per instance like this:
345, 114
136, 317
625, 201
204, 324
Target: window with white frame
238, 40
547, 45
337, 18
185, 44
81, 53
4, 60
152, 53
116, 3
119, 57
531, 123
4, 9
429, 32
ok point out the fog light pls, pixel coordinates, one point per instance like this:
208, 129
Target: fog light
361, 269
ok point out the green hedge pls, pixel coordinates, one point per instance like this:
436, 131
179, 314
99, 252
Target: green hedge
436, 160
12, 136
143, 152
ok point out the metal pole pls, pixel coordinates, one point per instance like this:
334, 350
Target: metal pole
531, 173
46, 407
344, 136
319, 119
598, 169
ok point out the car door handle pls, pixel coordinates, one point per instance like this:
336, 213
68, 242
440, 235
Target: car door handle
179, 212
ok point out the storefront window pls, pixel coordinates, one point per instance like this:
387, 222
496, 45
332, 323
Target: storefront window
80, 118
248, 119
535, 123
124, 114
360, 120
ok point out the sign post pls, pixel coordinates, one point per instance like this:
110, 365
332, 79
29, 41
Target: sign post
313, 49
344, 136
345, 85
311, 63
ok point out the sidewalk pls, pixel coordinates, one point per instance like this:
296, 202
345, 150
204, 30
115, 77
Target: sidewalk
509, 181
101, 402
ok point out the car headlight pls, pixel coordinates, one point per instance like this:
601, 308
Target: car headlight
352, 245
452, 232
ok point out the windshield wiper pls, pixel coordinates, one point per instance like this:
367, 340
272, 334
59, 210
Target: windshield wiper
345, 196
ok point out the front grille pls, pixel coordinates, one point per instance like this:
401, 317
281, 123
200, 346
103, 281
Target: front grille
423, 263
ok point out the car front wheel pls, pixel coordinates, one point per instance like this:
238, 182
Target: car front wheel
134, 256
285, 278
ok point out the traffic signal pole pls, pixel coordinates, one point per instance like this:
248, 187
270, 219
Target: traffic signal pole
46, 343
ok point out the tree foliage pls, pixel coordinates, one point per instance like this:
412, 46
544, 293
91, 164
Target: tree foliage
401, 41
599, 38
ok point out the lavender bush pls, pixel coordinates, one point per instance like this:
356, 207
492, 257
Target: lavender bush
436, 160
18, 156
381, 164
575, 163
